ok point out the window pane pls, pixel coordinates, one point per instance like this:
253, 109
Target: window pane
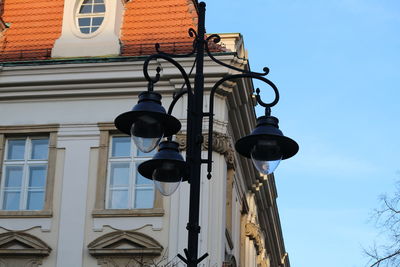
94, 29
99, 1
16, 149
37, 176
121, 146
13, 176
144, 198
87, 1
140, 180
97, 21
85, 30
84, 22
35, 200
147, 155
118, 199
85, 9
40, 148
11, 201
119, 174
99, 9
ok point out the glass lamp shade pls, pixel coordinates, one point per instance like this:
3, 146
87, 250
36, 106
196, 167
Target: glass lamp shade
266, 156
266, 145
146, 133
147, 122
167, 168
167, 178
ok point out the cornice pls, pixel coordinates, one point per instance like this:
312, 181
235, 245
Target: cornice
111, 79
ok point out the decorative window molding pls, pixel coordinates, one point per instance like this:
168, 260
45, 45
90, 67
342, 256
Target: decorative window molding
22, 244
125, 248
85, 34
127, 243
31, 132
103, 177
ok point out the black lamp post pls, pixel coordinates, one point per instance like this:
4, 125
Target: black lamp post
148, 123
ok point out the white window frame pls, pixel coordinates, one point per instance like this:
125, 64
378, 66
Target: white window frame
92, 15
25, 163
133, 160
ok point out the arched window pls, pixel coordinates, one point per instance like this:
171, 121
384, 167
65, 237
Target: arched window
90, 15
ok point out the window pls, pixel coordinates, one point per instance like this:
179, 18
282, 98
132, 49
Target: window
28, 157
120, 190
126, 188
23, 181
90, 15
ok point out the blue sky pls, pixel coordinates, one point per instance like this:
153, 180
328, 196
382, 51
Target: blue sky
337, 66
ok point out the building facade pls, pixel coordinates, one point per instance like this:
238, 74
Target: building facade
70, 194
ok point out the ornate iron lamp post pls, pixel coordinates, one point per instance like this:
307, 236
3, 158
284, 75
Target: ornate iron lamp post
148, 123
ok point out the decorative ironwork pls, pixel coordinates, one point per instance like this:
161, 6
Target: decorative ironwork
127, 50
209, 41
272, 142
202, 46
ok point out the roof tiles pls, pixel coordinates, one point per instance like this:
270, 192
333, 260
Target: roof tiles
158, 21
36, 24
33, 24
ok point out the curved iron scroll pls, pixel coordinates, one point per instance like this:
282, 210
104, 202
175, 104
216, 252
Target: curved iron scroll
268, 106
152, 81
216, 39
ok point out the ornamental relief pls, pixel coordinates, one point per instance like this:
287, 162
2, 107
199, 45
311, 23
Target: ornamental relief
253, 232
221, 144
125, 248
22, 249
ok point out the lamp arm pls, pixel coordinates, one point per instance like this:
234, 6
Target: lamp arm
251, 75
216, 39
157, 78
175, 99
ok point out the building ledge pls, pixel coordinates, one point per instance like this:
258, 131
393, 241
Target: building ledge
6, 214
128, 213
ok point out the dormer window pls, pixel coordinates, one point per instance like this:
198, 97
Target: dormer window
90, 28
91, 15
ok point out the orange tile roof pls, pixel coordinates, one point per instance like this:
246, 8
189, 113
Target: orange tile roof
36, 24
158, 21
33, 24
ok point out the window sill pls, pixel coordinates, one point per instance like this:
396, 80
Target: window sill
5, 214
156, 212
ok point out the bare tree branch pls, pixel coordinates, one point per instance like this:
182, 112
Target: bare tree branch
387, 219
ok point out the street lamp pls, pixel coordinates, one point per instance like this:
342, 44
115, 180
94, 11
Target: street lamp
148, 123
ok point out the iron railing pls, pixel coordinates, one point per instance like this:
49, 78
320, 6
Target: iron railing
126, 51
25, 55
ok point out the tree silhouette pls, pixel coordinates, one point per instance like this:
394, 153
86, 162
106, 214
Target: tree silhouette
387, 219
